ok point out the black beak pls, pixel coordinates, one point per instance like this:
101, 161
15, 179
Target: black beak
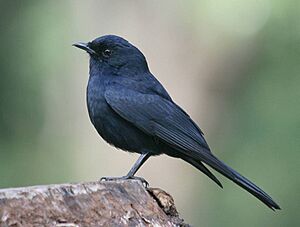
85, 46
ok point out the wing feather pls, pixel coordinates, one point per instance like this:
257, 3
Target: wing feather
157, 117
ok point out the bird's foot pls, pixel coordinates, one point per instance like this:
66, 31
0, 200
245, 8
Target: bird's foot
144, 182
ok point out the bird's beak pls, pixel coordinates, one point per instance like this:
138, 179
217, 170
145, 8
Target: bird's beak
84, 46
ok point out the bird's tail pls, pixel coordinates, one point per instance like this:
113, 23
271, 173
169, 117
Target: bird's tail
237, 178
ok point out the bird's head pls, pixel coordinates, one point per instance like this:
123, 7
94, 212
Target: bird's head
113, 53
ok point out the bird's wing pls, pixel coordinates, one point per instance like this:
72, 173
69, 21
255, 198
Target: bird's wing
163, 119
158, 117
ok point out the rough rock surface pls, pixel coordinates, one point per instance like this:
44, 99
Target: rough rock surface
111, 203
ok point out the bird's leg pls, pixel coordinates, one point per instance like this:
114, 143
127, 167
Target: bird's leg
132, 171
137, 165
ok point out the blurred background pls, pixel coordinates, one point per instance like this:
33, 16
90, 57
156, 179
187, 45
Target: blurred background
232, 65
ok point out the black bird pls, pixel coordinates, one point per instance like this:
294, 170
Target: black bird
132, 111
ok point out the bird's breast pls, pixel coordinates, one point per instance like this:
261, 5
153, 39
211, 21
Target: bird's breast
96, 104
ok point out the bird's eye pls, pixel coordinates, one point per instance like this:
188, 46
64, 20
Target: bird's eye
106, 53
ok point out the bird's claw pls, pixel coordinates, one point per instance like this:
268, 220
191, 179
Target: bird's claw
144, 182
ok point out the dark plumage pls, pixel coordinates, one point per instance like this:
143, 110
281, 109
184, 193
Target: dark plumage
132, 111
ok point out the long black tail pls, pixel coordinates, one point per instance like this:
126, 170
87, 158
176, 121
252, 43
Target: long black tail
230, 173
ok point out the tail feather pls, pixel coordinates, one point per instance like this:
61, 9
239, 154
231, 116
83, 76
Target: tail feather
241, 181
203, 169
254, 190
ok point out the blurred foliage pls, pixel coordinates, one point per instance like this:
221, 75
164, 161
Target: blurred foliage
27, 29
21, 97
258, 129
260, 132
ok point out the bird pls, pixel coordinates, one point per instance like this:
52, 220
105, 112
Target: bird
132, 111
